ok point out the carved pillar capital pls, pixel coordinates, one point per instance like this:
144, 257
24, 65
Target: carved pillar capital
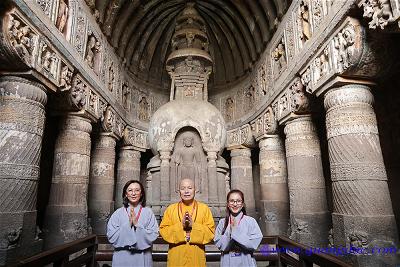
13, 86
241, 152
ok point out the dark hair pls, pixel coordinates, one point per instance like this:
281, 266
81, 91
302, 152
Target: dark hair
228, 212
142, 199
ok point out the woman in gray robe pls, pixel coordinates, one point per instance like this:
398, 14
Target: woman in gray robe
237, 235
132, 228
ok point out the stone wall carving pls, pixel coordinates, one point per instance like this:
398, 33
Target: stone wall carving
22, 38
135, 137
65, 82
78, 93
92, 53
48, 61
240, 137
304, 22
279, 58
381, 12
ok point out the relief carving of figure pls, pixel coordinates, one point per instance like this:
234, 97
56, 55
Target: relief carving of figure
380, 11
21, 37
92, 49
186, 160
111, 77
126, 96
250, 95
78, 93
229, 108
304, 18
300, 102
279, 57
62, 15
65, 78
143, 109
358, 239
13, 237
344, 46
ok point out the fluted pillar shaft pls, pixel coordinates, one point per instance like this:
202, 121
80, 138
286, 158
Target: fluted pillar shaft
22, 117
101, 183
67, 211
362, 208
309, 217
274, 188
242, 177
128, 169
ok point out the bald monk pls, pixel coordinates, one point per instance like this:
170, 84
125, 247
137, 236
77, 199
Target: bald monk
187, 226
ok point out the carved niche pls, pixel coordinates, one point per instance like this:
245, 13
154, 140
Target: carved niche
48, 60
92, 56
304, 23
62, 16
188, 159
143, 109
126, 96
229, 109
279, 58
111, 77
344, 47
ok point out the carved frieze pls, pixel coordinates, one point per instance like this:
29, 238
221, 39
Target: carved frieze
279, 60
299, 100
78, 93
380, 12
304, 22
240, 137
79, 30
23, 39
48, 62
135, 137
62, 16
229, 109
265, 124
92, 54
143, 109
65, 82
126, 96
108, 120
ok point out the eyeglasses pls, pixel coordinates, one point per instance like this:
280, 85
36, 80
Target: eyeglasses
237, 201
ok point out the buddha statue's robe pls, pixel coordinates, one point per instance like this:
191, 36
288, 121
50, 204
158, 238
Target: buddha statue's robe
182, 252
132, 245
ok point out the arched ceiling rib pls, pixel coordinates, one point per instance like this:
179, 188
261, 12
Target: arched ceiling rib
141, 31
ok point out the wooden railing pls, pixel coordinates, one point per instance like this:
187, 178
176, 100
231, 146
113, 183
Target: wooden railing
60, 256
272, 248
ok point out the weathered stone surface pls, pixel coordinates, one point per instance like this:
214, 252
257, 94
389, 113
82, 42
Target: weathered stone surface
22, 116
67, 211
101, 183
242, 177
274, 211
362, 210
309, 216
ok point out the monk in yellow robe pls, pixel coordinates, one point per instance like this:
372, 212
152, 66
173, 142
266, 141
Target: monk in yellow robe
187, 226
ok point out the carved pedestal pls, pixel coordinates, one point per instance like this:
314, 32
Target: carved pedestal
22, 117
101, 183
128, 169
309, 217
362, 209
274, 189
242, 177
67, 211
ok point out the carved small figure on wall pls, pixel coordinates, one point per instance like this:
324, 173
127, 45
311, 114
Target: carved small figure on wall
343, 44
379, 11
21, 38
229, 108
126, 96
279, 57
143, 109
111, 77
300, 102
250, 95
304, 22
78, 93
92, 49
62, 15
13, 237
65, 78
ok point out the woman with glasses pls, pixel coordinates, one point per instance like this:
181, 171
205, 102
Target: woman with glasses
237, 235
132, 228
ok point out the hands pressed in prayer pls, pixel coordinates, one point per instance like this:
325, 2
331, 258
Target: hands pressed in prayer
187, 222
133, 218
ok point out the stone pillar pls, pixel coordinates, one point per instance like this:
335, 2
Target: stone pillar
212, 176
165, 156
274, 188
67, 212
22, 117
101, 183
128, 169
309, 216
362, 209
242, 177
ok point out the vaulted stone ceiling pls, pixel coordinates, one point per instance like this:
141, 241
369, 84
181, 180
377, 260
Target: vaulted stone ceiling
141, 31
